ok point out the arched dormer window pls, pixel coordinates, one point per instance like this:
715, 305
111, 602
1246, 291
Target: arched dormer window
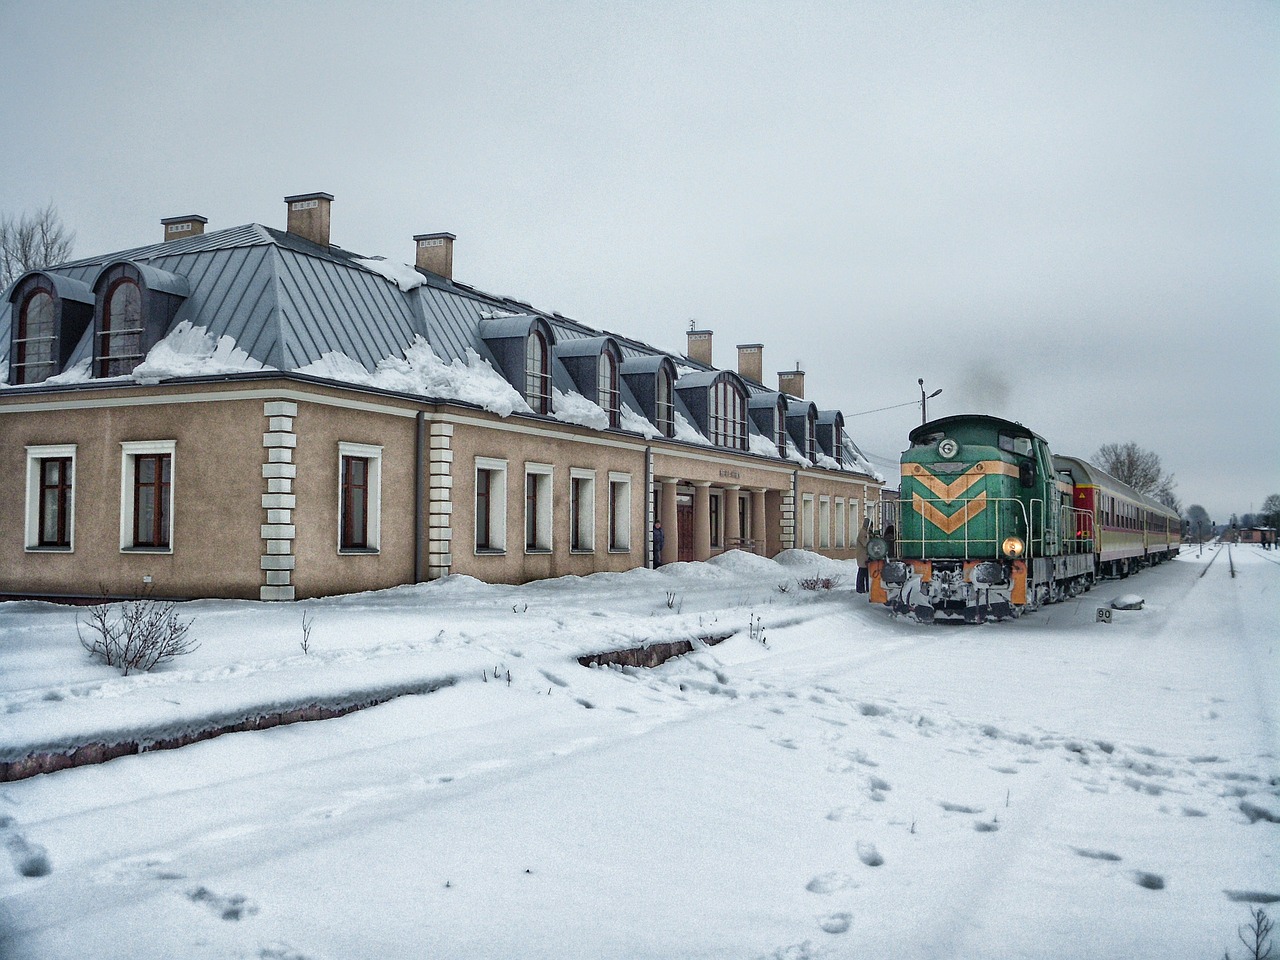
664, 402
50, 314
521, 347
728, 419
136, 305
537, 373
831, 434
651, 384
33, 345
607, 386
120, 335
768, 411
802, 424
717, 402
592, 366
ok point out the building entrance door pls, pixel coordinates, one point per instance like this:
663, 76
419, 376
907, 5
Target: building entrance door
684, 526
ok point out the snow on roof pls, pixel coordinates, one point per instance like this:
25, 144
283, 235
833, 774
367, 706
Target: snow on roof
421, 372
401, 274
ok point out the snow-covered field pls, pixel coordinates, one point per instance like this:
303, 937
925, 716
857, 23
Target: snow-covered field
852, 786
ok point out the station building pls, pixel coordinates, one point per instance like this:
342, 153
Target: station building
257, 413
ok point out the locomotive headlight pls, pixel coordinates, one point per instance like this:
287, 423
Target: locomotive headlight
948, 448
1013, 547
877, 548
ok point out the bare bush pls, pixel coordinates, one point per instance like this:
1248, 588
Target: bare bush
135, 635
1256, 936
819, 583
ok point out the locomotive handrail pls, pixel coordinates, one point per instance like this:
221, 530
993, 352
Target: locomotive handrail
970, 543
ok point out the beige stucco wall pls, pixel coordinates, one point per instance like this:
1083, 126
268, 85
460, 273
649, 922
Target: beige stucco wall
216, 506
321, 568
218, 545
564, 448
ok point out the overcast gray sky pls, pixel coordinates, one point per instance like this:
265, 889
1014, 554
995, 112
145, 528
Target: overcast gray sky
1064, 214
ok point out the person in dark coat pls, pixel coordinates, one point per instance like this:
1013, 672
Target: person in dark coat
862, 583
658, 540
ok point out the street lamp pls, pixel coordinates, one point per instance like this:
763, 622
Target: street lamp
924, 401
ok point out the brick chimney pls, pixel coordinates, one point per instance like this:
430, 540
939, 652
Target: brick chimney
751, 361
700, 346
179, 228
792, 381
435, 253
309, 216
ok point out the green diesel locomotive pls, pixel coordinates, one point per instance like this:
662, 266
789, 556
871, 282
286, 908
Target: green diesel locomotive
989, 523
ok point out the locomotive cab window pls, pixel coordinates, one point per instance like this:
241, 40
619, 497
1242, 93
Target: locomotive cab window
1021, 446
929, 440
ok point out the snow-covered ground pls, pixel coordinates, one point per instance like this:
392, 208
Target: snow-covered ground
853, 786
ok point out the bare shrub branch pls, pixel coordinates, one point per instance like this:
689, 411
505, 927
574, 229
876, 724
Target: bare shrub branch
135, 635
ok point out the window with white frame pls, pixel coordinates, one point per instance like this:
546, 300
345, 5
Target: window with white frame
744, 516
51, 508
840, 523
855, 522
491, 505
715, 516
808, 519
146, 495
359, 497
824, 522
537, 507
619, 512
582, 510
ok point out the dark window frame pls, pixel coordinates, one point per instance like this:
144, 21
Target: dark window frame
537, 372
62, 491
23, 339
664, 402
727, 415
108, 362
531, 512
160, 534
607, 390
484, 508
354, 521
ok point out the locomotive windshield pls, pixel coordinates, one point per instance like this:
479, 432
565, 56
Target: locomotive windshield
1016, 445
928, 440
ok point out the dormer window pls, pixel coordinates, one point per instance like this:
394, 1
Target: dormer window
50, 314
728, 421
34, 344
136, 305
664, 403
768, 411
520, 347
607, 386
650, 381
802, 424
537, 373
831, 434
592, 365
120, 333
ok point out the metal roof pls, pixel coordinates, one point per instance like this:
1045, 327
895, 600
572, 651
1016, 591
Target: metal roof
287, 301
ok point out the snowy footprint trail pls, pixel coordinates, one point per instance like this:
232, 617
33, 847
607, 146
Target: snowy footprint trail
850, 785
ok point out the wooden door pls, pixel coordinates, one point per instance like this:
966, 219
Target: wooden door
684, 527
